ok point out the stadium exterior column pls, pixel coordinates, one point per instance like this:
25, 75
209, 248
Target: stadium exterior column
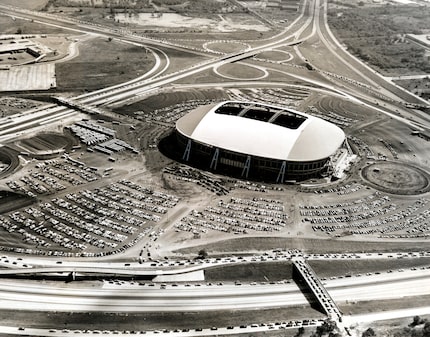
246, 167
281, 174
214, 161
187, 151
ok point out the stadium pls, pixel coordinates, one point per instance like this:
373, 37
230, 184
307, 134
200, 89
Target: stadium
257, 141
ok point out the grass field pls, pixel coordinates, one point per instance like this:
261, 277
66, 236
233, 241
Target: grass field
10, 201
10, 26
150, 321
382, 305
46, 142
241, 71
166, 99
9, 157
29, 4
308, 245
352, 267
102, 63
251, 272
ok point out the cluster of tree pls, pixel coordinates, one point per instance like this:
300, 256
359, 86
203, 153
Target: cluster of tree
343, 4
376, 35
328, 328
196, 6
418, 328
114, 4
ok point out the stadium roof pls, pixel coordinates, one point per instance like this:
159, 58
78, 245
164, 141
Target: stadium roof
262, 130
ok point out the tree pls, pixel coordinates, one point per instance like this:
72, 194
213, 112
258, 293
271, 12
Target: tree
203, 254
327, 327
416, 321
300, 332
426, 329
368, 333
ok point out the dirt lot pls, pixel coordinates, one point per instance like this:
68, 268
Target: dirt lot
397, 178
221, 23
29, 77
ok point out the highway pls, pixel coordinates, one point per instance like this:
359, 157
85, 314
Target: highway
135, 298
12, 265
121, 296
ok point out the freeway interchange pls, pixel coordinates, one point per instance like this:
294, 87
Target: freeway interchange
307, 24
358, 83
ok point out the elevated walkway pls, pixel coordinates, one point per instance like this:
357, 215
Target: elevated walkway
304, 272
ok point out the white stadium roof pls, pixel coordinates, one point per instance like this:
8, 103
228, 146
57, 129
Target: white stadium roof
309, 139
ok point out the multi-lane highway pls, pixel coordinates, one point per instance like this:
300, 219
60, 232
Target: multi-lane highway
121, 296
34, 265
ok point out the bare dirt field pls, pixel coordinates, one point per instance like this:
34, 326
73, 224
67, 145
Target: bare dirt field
13, 58
397, 178
221, 23
28, 77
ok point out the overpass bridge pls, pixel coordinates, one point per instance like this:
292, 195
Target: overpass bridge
303, 272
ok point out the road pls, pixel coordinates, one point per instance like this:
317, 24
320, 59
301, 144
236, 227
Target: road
33, 265
120, 296
135, 298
